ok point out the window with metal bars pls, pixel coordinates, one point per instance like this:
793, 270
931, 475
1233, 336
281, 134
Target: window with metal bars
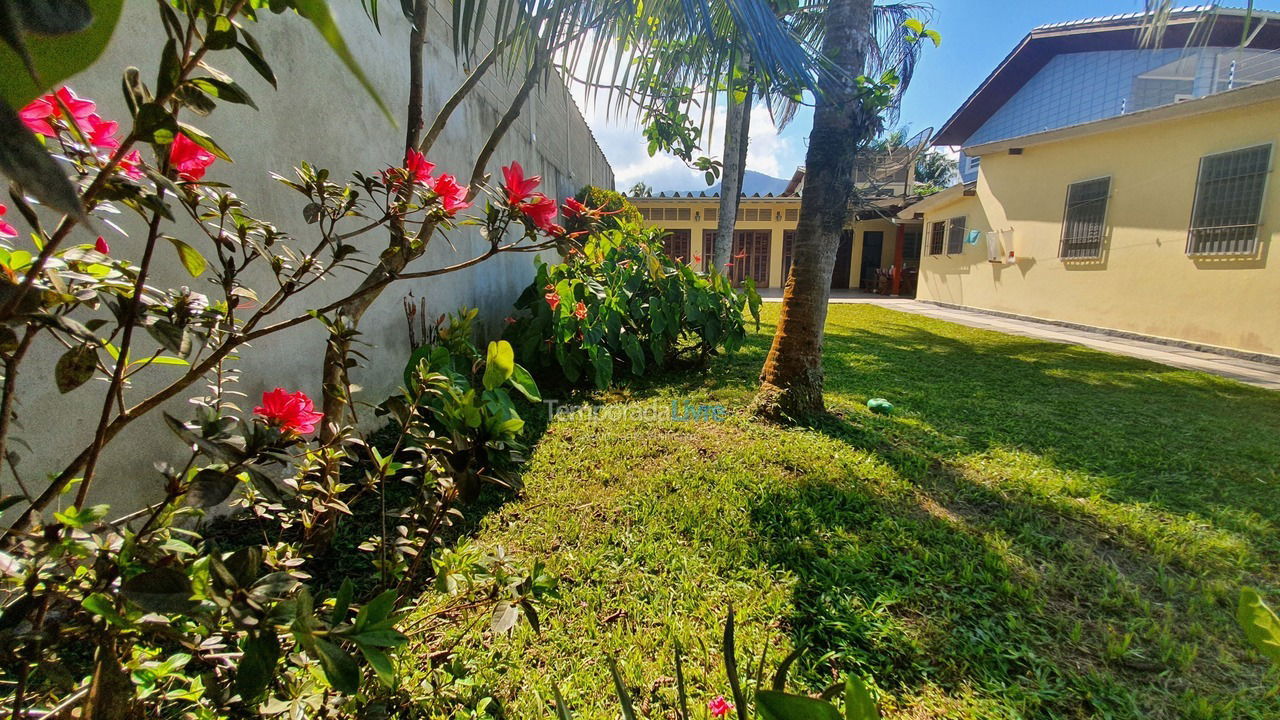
1084, 221
676, 245
937, 235
1228, 206
956, 227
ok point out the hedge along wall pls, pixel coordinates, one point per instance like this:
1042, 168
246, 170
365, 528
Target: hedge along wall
321, 115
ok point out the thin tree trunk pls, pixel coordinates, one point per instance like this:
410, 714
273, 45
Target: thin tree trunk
791, 381
737, 129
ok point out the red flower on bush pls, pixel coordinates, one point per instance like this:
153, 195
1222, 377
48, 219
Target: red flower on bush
292, 412
418, 167
131, 166
189, 159
6, 230
39, 114
542, 211
580, 311
553, 299
102, 133
519, 188
720, 707
453, 196
102, 246
573, 208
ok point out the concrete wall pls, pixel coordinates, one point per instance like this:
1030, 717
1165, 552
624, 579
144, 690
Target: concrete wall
1144, 282
321, 115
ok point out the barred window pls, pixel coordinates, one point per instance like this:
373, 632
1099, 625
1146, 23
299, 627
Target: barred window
1228, 207
1083, 222
792, 215
955, 235
712, 215
937, 234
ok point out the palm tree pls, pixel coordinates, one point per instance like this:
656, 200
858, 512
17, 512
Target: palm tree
848, 116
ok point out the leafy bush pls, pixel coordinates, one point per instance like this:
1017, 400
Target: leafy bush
620, 305
463, 398
619, 213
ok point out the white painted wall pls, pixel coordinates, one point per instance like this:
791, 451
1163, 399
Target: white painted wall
321, 115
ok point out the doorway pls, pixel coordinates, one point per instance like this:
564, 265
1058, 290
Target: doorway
872, 249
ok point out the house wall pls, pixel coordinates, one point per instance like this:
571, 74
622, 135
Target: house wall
782, 215
1144, 282
321, 115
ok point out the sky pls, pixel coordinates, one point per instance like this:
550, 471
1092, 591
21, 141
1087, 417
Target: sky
976, 36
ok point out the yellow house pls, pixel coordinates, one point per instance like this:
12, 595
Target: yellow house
876, 251
1156, 221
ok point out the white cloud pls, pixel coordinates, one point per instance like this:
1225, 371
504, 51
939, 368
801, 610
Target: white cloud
627, 150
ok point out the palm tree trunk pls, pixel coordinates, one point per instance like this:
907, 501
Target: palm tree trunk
737, 129
791, 381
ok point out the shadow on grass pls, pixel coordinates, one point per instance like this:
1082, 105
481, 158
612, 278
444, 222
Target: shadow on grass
1066, 538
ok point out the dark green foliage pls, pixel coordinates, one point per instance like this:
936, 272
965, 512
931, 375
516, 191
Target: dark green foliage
622, 307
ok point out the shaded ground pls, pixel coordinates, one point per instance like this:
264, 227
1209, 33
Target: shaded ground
1041, 530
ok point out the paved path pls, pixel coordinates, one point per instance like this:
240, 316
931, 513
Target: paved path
1263, 375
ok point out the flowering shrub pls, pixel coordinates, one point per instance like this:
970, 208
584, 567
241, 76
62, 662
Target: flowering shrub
619, 305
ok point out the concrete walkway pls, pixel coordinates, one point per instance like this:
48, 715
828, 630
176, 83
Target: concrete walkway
1260, 374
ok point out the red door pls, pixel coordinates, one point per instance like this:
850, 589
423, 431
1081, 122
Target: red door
676, 245
750, 255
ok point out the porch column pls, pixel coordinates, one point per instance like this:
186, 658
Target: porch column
896, 283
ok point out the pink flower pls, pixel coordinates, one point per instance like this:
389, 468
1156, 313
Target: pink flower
720, 707
102, 133
6, 230
541, 210
453, 197
580, 311
189, 159
36, 116
102, 246
518, 187
418, 167
80, 108
39, 113
291, 412
573, 208
131, 166
553, 299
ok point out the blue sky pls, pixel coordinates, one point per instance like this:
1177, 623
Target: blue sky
976, 35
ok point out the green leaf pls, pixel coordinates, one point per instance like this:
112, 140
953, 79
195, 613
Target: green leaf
101, 605
155, 124
381, 664
1260, 624
253, 55
198, 136
342, 602
523, 382
376, 610
774, 705
162, 590
261, 653
499, 365
210, 487
858, 704
28, 164
75, 367
620, 688
339, 667
504, 618
191, 259
57, 57
317, 11
562, 708
223, 90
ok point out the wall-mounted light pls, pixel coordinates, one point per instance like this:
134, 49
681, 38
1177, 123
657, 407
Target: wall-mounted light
779, 217
697, 216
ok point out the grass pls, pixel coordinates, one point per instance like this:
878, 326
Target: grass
1040, 530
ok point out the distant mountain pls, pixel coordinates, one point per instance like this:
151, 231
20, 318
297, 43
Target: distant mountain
752, 183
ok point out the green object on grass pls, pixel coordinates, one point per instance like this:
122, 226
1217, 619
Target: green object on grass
880, 406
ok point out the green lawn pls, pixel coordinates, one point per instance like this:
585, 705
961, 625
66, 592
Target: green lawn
1041, 530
